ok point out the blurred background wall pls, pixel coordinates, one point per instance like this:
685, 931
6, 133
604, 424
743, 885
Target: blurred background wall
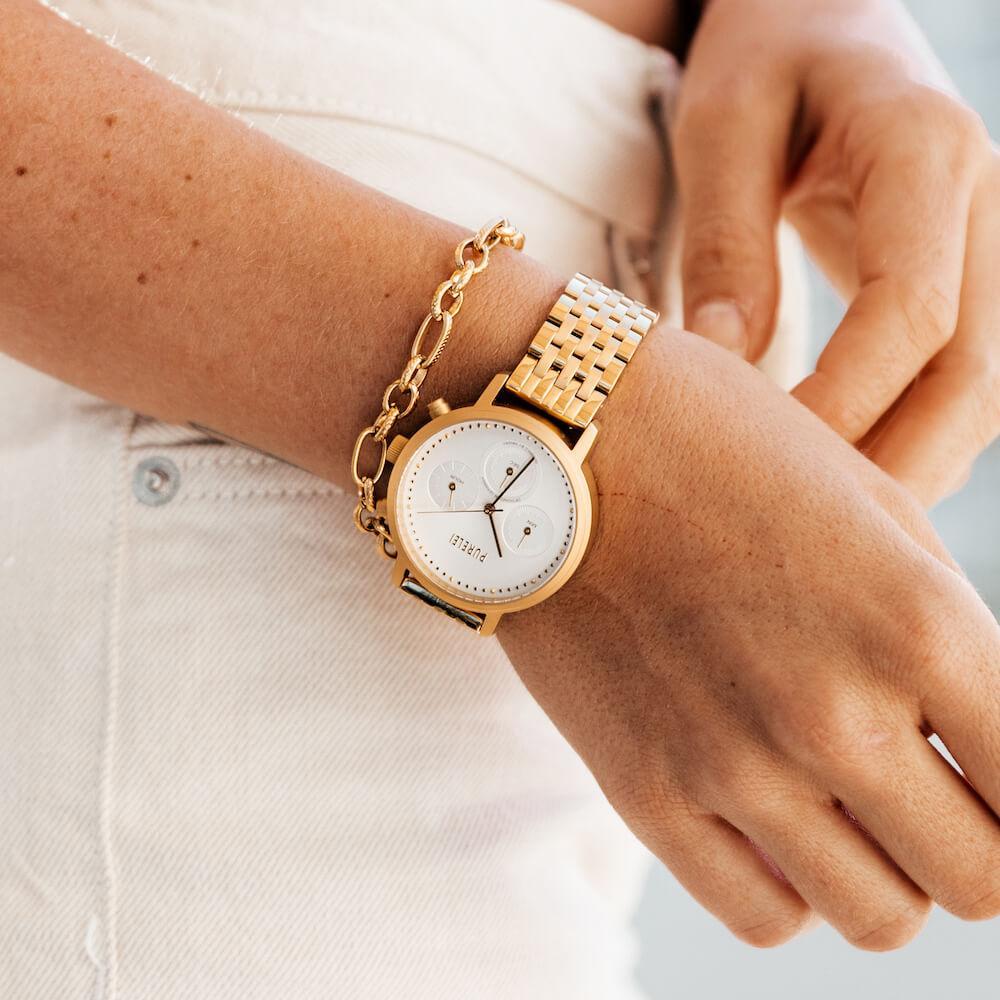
685, 953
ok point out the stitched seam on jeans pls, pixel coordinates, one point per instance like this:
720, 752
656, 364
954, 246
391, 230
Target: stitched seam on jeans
220, 460
294, 491
112, 675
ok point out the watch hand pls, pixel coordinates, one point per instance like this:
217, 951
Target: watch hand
496, 538
451, 510
515, 479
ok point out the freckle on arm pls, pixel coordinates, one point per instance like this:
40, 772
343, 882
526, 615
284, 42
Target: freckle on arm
142, 278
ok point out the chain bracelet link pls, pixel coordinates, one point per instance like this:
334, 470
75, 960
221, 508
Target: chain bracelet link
472, 257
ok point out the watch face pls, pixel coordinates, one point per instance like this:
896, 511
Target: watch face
486, 511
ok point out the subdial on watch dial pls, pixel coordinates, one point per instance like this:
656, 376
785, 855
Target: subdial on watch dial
503, 463
527, 530
452, 486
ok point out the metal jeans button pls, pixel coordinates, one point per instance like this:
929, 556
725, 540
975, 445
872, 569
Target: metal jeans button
155, 481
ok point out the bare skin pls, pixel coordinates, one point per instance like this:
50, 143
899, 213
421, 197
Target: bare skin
766, 626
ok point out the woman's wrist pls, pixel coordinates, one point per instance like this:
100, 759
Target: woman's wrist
327, 372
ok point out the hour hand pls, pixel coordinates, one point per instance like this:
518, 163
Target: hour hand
490, 510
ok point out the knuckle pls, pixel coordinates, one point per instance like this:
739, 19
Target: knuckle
645, 800
713, 107
982, 902
833, 731
930, 314
721, 242
891, 930
768, 930
925, 113
950, 137
635, 796
965, 124
845, 410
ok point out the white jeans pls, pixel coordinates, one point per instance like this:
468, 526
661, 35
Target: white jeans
234, 764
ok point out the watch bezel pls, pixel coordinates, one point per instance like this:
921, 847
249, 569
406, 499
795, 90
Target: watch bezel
571, 456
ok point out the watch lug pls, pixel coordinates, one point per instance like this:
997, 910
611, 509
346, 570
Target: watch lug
585, 441
491, 392
399, 568
490, 622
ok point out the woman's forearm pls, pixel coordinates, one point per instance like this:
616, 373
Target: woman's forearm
162, 254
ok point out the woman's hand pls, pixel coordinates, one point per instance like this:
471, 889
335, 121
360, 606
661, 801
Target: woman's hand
839, 116
762, 634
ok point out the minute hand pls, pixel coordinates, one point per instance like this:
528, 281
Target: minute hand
514, 480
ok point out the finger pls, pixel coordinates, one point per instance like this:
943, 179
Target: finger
730, 145
912, 212
947, 420
963, 707
928, 820
719, 867
834, 866
952, 412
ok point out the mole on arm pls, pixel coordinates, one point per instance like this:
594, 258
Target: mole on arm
110, 120
142, 278
21, 171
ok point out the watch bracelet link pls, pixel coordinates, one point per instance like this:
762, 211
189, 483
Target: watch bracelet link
581, 350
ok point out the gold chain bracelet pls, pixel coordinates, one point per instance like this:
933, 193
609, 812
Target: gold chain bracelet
407, 387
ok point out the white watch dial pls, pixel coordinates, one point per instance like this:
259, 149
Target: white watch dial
478, 538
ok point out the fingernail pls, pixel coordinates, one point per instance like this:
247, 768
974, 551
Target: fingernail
722, 321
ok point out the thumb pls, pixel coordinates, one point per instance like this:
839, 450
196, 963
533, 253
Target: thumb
730, 156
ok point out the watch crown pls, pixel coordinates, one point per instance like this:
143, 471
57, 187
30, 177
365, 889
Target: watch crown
437, 408
395, 449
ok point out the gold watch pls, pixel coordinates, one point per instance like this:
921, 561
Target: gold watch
490, 508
